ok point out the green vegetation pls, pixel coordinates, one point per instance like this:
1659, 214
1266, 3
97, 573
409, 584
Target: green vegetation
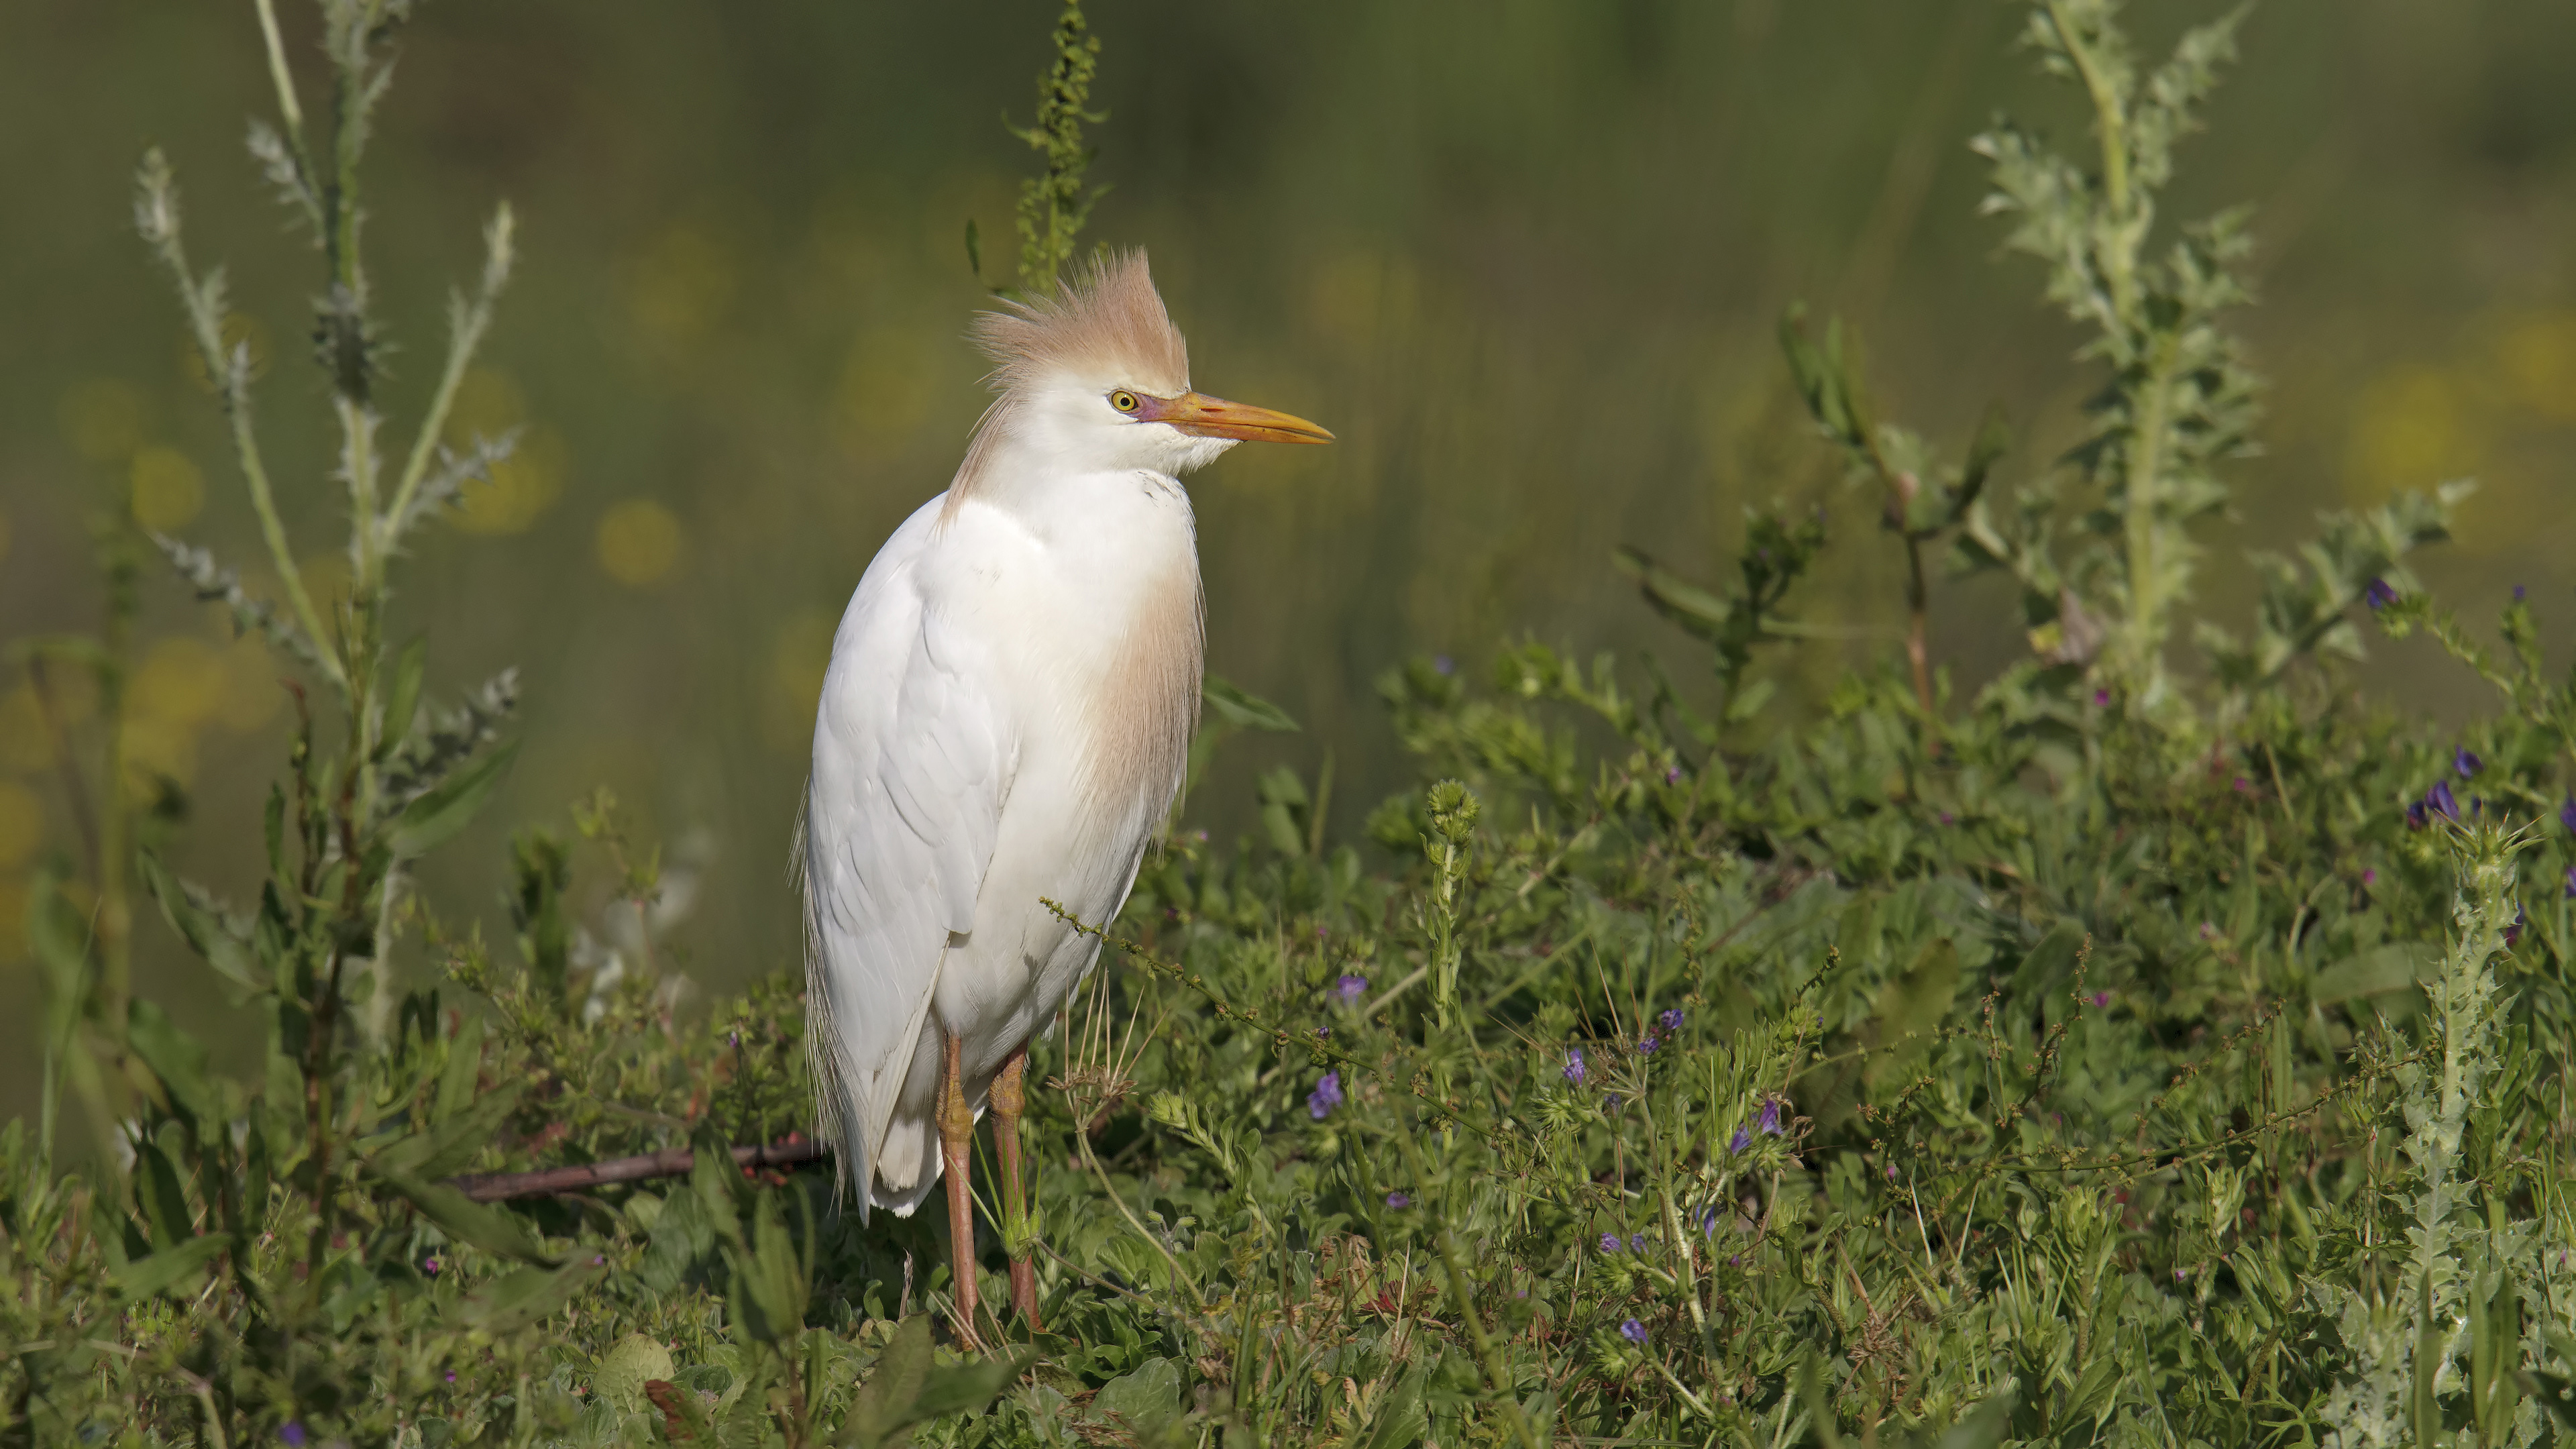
2148, 1049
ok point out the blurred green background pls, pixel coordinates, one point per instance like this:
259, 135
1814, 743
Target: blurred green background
1527, 260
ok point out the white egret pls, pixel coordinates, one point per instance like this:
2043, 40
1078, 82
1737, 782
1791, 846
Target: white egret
1006, 718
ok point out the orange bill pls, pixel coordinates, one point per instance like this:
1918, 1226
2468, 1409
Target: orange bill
1214, 417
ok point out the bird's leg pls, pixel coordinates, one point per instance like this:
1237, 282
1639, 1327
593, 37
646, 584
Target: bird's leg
956, 1136
1008, 1098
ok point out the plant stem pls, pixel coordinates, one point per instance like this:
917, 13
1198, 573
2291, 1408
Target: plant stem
1485, 1355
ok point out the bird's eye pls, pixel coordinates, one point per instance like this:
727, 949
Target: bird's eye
1123, 400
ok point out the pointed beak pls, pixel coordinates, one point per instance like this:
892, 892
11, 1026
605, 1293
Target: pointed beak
1214, 417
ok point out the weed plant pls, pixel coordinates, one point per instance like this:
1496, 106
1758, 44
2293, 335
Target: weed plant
2149, 1048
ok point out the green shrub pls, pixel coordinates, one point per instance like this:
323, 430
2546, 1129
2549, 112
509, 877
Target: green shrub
2141, 1050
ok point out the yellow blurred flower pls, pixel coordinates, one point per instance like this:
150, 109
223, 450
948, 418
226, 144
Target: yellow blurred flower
182, 682
2537, 360
13, 918
168, 489
639, 542
102, 419
240, 330
2411, 429
154, 746
22, 824
798, 655
679, 288
882, 396
252, 693
523, 486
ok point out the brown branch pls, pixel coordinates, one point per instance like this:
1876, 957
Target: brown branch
669, 1162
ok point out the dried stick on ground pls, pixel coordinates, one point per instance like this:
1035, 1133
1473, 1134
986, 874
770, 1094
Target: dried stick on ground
669, 1162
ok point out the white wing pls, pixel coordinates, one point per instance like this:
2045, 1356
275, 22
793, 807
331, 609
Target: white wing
910, 755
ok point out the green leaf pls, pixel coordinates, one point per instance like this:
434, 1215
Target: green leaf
2377, 971
447, 1147
1676, 598
625, 1369
1993, 440
164, 1270
1981, 1427
463, 1071
965, 1387
1145, 1403
157, 1192
402, 700
205, 930
521, 1297
178, 1060
884, 1403
1401, 1420
467, 1221
434, 818
1243, 711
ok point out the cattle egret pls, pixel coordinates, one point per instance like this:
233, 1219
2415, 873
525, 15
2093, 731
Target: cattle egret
1005, 721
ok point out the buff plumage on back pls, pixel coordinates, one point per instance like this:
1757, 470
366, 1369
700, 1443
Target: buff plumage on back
1106, 326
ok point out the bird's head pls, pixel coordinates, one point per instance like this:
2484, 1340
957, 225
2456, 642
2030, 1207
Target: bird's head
1096, 378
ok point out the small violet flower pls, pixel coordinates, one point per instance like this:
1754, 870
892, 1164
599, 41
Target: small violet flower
1609, 1242
2519, 592
2370, 875
2466, 762
2101, 999
1611, 1102
1673, 775
2571, 882
2379, 594
1637, 1243
1349, 988
1399, 1200
2513, 933
1670, 1018
1708, 1222
1574, 1066
1647, 1043
2567, 813
1741, 1140
2441, 801
1326, 1096
1769, 1121
1444, 664
1633, 1331
429, 1266
2415, 817
2101, 697
293, 1433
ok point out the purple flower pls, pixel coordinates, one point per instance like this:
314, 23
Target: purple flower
2379, 594
293, 1433
2466, 763
2370, 875
1633, 1331
733, 1039
1648, 1043
2518, 592
2242, 787
1326, 1096
2571, 882
2101, 697
1769, 1121
1708, 1222
2101, 999
1670, 1018
1673, 775
1350, 988
1741, 1140
1574, 1066
1399, 1200
1444, 663
1949, 819
1611, 1102
2415, 818
2521, 918
2441, 801
1637, 1243
1891, 1172
1609, 1242
2177, 1275
1322, 1032
2567, 812
451, 1376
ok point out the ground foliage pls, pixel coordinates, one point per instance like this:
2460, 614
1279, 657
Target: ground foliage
2138, 1051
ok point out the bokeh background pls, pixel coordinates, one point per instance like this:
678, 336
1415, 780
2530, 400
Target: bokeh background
1527, 259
